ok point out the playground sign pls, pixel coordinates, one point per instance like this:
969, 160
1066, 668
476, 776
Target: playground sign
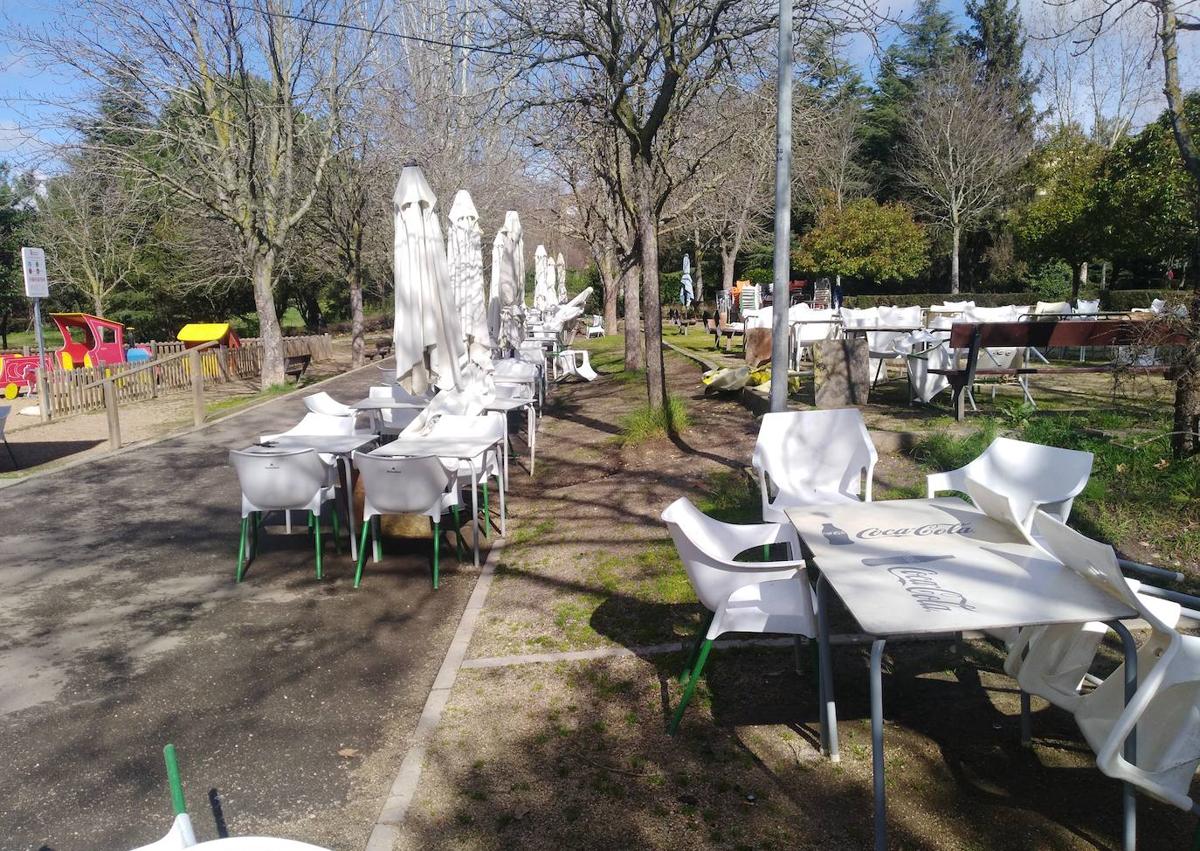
33, 261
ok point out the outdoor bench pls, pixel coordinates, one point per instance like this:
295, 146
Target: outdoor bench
382, 349
975, 336
296, 365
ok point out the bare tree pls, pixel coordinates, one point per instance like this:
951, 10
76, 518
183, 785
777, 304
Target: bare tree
962, 151
95, 230
246, 99
826, 156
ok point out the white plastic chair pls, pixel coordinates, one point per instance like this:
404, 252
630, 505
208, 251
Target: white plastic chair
1033, 476
404, 486
5, 410
1165, 709
323, 403
881, 345
596, 328
811, 458
317, 424
395, 420
281, 480
491, 426
755, 597
576, 362
809, 327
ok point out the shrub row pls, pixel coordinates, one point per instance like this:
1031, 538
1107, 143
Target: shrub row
930, 299
1129, 299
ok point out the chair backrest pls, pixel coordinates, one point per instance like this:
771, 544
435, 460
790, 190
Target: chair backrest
817, 450
397, 393
814, 326
323, 403
285, 479
1052, 308
704, 548
401, 485
866, 317
1086, 307
957, 305
490, 425
314, 423
1031, 475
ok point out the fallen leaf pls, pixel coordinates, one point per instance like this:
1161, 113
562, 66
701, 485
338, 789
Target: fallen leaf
1121, 468
1162, 464
348, 752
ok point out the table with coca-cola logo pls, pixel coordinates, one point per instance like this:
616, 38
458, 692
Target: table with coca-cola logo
928, 568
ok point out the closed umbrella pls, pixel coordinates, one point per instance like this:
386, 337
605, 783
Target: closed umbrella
427, 336
506, 300
464, 256
686, 295
544, 295
560, 277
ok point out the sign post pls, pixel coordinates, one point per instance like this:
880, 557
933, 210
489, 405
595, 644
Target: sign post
37, 287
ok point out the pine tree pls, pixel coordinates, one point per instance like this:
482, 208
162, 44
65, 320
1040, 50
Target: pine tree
997, 41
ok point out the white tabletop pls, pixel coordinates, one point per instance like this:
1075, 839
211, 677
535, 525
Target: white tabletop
442, 447
940, 565
256, 843
332, 444
385, 404
505, 403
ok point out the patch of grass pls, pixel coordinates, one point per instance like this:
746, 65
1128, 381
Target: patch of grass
941, 451
234, 402
647, 423
732, 497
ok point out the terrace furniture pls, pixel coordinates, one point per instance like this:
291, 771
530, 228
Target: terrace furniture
381, 349
277, 479
490, 427
972, 337
1033, 476
576, 362
812, 458
5, 410
391, 408
296, 365
596, 327
809, 327
317, 424
931, 569
333, 449
323, 403
404, 486
757, 597
1141, 720
517, 397
473, 450
181, 834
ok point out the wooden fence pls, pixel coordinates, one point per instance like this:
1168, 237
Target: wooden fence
79, 390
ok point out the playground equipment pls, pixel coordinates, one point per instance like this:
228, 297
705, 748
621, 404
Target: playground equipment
87, 341
197, 333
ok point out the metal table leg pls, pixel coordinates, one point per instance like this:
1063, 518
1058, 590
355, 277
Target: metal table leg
531, 433
829, 734
1129, 802
346, 474
475, 507
877, 744
1026, 721
503, 486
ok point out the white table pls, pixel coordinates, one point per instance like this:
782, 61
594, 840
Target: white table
342, 447
507, 405
931, 567
373, 405
461, 449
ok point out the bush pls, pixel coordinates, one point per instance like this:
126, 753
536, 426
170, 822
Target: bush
1051, 281
762, 277
930, 299
1129, 299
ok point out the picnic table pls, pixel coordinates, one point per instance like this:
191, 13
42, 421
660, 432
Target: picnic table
931, 568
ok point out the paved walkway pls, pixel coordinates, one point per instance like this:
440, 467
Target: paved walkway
290, 701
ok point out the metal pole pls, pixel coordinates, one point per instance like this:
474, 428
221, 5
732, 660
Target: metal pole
783, 213
43, 386
197, 375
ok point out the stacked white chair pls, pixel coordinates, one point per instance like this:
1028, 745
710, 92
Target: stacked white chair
808, 328
755, 597
404, 486
810, 458
1164, 710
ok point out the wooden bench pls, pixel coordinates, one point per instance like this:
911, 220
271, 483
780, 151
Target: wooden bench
382, 349
296, 365
719, 331
1066, 333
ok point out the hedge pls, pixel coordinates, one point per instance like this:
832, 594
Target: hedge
930, 299
1129, 299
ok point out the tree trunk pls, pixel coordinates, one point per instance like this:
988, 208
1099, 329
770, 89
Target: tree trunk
956, 236
97, 304
610, 281
656, 388
1079, 280
358, 354
263, 271
634, 352
728, 262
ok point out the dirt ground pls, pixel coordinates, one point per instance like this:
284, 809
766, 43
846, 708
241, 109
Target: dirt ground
291, 701
35, 443
573, 752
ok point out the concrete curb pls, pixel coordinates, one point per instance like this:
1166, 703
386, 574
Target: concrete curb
404, 787
154, 441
